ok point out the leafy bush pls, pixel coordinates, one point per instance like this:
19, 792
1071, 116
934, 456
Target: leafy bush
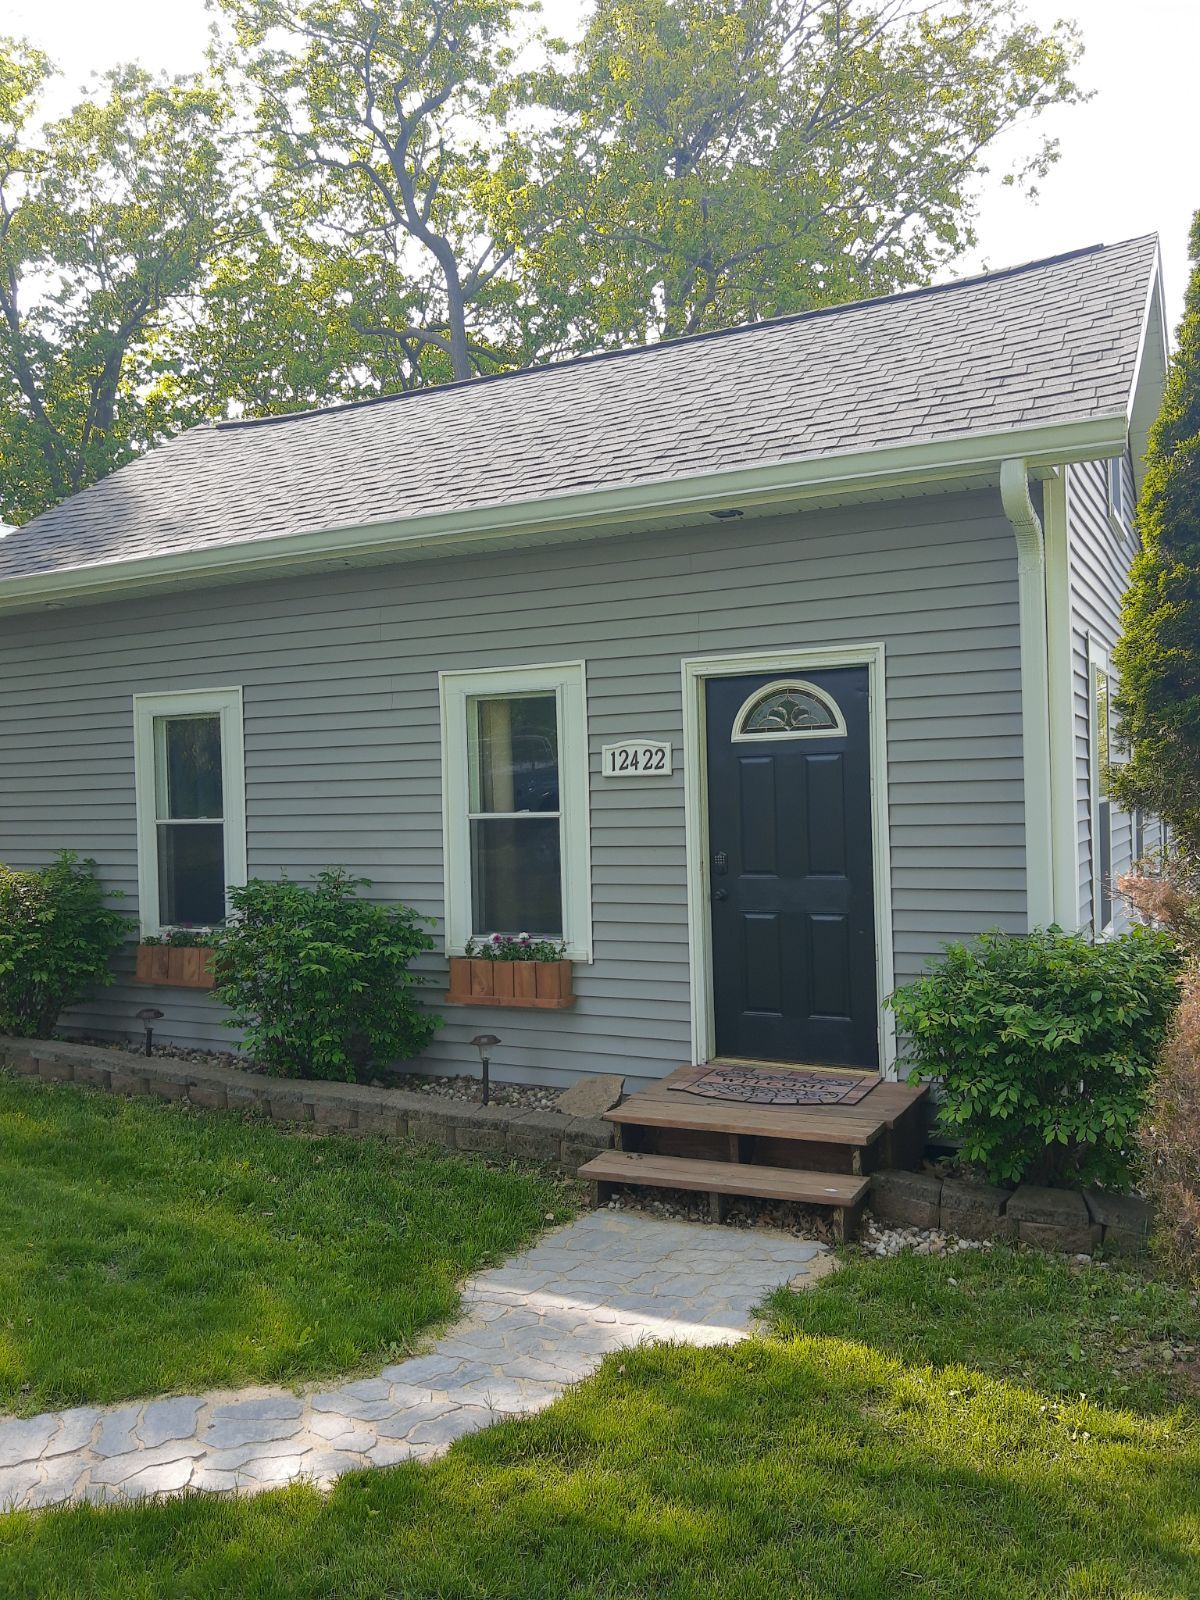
319, 978
1045, 1045
56, 937
1170, 1136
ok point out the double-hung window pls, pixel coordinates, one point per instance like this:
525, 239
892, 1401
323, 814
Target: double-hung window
1101, 801
515, 805
191, 808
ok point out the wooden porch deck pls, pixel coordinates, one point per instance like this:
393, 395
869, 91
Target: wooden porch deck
812, 1154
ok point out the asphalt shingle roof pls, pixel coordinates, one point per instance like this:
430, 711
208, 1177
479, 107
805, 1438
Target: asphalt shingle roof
1053, 341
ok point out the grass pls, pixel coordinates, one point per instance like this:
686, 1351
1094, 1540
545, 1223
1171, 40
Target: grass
146, 1249
917, 1429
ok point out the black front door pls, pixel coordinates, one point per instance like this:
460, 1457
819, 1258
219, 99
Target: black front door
793, 910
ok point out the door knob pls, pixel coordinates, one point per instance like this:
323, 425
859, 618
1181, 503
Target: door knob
720, 894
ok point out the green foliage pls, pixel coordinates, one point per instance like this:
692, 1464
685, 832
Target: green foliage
319, 978
56, 937
515, 947
725, 160
1158, 656
1045, 1045
362, 199
109, 221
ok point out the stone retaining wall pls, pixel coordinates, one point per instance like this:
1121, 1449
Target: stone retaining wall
545, 1136
1055, 1219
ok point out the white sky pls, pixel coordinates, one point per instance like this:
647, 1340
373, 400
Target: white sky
1130, 158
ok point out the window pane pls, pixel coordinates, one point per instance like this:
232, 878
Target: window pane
787, 711
1103, 741
514, 753
188, 759
191, 874
516, 877
1105, 850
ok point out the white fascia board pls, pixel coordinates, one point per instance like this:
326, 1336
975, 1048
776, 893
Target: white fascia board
689, 497
1149, 374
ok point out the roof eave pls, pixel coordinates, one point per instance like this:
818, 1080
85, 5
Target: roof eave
936, 462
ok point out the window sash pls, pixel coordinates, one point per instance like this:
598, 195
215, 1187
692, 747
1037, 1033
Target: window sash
150, 714
463, 790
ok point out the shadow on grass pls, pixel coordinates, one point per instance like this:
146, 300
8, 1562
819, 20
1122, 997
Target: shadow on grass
808, 1466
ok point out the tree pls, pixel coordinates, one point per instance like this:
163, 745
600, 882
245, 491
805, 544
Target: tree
1158, 656
719, 161
383, 121
107, 223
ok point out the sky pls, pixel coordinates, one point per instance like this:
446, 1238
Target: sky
1130, 159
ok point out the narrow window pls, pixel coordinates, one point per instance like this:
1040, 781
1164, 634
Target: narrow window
516, 845
191, 808
1101, 710
1119, 508
516, 805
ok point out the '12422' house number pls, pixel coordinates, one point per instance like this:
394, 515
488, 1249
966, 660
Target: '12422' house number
637, 758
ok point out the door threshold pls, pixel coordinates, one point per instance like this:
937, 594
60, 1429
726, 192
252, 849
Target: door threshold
796, 1066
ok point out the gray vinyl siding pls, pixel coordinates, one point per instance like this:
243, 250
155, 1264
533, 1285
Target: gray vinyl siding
1099, 560
343, 762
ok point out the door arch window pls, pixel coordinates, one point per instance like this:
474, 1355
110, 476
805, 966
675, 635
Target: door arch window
789, 709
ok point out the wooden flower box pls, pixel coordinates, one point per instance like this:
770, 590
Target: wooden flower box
540, 985
188, 967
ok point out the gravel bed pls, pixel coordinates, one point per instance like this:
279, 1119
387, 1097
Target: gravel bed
528, 1096
742, 1211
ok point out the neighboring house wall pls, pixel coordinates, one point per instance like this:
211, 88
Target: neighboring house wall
339, 672
1100, 558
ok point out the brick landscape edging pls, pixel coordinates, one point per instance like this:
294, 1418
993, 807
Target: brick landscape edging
545, 1136
1055, 1219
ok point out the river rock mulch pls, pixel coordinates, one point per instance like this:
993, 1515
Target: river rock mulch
462, 1087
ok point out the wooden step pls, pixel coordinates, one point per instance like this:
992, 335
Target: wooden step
843, 1195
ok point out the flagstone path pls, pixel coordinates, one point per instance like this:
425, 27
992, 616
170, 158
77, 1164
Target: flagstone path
540, 1322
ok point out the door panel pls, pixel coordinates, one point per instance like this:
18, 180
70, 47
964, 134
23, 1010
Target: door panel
792, 904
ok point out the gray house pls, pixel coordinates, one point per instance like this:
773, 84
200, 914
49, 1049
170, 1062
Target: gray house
754, 666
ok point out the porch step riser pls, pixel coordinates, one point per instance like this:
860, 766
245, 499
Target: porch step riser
703, 1145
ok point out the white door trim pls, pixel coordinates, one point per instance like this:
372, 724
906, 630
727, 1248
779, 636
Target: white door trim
696, 671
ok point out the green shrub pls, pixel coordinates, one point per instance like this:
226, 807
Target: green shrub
319, 978
56, 937
1045, 1045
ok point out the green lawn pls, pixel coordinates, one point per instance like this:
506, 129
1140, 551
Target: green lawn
917, 1429
145, 1248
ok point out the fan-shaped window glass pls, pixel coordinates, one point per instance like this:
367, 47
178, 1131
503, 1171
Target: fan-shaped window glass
792, 710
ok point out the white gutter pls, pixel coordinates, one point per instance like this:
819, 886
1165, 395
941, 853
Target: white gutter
1035, 693
586, 511
1061, 675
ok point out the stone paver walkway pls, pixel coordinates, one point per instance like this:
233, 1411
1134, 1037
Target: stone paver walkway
540, 1322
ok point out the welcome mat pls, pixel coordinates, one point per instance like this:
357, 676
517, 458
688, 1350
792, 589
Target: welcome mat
778, 1086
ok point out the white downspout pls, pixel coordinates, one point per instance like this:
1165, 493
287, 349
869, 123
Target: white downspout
1035, 691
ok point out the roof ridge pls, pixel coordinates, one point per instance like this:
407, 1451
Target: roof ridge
627, 351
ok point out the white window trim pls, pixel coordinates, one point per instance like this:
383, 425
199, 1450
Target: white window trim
227, 703
1098, 662
783, 684
567, 680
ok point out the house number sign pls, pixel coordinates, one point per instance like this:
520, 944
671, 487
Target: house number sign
637, 758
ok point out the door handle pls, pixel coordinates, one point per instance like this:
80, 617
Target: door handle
720, 894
